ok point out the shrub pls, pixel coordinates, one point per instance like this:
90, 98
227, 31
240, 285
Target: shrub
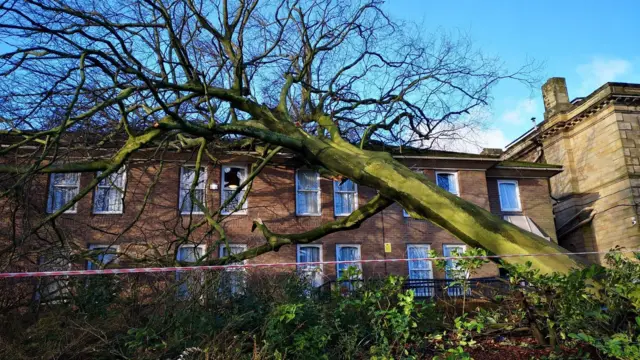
278, 316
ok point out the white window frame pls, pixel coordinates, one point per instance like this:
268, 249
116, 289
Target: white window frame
183, 290
455, 179
110, 248
242, 270
355, 264
122, 171
454, 291
404, 212
336, 192
183, 246
514, 182
304, 269
319, 195
301, 264
71, 210
203, 176
245, 206
224, 246
422, 291
60, 284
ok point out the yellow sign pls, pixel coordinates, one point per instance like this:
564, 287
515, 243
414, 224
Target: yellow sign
387, 247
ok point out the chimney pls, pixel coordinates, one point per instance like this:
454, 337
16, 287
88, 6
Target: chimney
555, 96
491, 152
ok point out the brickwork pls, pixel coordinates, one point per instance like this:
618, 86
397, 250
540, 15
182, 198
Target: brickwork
156, 228
534, 199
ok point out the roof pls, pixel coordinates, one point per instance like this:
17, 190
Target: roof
492, 160
581, 108
426, 157
414, 151
527, 165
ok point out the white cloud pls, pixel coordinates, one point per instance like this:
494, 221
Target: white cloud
493, 138
470, 134
601, 70
474, 140
522, 112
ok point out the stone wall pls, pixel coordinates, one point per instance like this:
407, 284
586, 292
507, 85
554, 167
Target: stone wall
600, 156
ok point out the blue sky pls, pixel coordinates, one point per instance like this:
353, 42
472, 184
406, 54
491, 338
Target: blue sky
587, 42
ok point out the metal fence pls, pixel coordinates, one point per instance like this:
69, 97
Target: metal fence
429, 288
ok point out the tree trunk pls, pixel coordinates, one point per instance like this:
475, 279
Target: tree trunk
422, 198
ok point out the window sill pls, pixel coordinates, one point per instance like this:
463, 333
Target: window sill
66, 212
342, 215
241, 213
308, 215
192, 213
108, 213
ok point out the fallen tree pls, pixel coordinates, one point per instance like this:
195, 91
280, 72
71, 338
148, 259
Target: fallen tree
321, 79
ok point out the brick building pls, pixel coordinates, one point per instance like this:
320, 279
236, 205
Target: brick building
596, 140
288, 199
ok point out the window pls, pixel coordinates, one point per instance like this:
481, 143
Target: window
448, 181
509, 195
189, 281
104, 254
232, 178
404, 212
420, 271
54, 289
312, 272
109, 194
234, 278
345, 197
308, 193
62, 188
452, 270
190, 253
187, 176
348, 253
525, 222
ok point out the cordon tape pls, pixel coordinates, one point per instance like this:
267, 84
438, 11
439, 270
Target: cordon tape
258, 265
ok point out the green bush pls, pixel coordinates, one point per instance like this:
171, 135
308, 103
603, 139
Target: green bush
278, 316
598, 305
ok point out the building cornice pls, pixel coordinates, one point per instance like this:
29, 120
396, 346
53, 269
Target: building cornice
625, 94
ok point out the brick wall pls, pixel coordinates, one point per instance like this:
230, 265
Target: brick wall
272, 199
534, 199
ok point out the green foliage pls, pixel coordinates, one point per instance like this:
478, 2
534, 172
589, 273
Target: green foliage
461, 270
298, 330
620, 346
279, 316
597, 306
456, 353
95, 295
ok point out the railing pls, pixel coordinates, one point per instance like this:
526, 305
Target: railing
437, 288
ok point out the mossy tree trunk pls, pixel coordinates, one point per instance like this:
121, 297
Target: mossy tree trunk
421, 198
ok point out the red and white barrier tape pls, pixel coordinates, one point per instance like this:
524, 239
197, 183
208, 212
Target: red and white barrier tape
244, 266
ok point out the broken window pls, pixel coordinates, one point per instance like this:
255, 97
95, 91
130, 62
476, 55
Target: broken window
232, 178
